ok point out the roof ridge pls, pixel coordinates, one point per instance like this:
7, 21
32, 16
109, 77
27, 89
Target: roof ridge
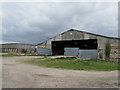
92, 33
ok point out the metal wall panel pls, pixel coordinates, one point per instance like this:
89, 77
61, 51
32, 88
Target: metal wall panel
71, 51
44, 51
88, 54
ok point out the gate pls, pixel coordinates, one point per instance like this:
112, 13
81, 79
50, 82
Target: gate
44, 51
88, 54
71, 51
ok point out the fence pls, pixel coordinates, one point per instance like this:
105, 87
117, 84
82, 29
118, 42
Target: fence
91, 54
81, 53
71, 51
44, 51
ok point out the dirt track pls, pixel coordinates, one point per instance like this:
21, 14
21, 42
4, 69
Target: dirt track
19, 75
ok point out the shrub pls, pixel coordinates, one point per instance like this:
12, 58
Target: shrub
107, 50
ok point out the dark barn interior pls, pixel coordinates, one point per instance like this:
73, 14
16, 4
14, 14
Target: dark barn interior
58, 46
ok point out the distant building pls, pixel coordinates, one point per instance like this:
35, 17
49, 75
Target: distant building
18, 48
82, 44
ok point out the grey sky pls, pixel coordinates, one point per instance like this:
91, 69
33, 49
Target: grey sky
36, 22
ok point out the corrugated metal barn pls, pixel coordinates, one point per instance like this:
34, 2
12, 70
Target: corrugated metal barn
18, 48
83, 44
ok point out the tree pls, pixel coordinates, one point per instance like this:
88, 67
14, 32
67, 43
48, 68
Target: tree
107, 50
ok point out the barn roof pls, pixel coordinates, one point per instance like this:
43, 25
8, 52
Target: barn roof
16, 44
92, 34
83, 32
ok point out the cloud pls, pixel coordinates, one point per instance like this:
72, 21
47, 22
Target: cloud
35, 22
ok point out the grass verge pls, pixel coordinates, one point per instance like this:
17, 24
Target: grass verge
10, 54
14, 54
76, 64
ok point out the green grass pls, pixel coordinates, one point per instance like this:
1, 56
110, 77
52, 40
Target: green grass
10, 54
14, 54
76, 64
2, 52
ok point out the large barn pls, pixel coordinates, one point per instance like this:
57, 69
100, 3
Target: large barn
84, 45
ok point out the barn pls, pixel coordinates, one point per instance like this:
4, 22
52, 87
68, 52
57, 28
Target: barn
83, 44
17, 48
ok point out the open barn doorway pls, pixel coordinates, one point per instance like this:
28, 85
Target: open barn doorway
75, 47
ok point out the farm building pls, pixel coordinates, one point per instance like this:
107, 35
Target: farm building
83, 44
18, 48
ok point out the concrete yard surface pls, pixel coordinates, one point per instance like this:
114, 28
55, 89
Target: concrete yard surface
19, 75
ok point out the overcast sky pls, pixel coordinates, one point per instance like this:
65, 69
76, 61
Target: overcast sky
35, 22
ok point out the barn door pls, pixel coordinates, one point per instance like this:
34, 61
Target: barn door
71, 51
88, 54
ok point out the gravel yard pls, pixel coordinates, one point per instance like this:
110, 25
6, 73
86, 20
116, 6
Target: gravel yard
19, 75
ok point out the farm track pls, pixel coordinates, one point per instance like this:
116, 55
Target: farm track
19, 75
